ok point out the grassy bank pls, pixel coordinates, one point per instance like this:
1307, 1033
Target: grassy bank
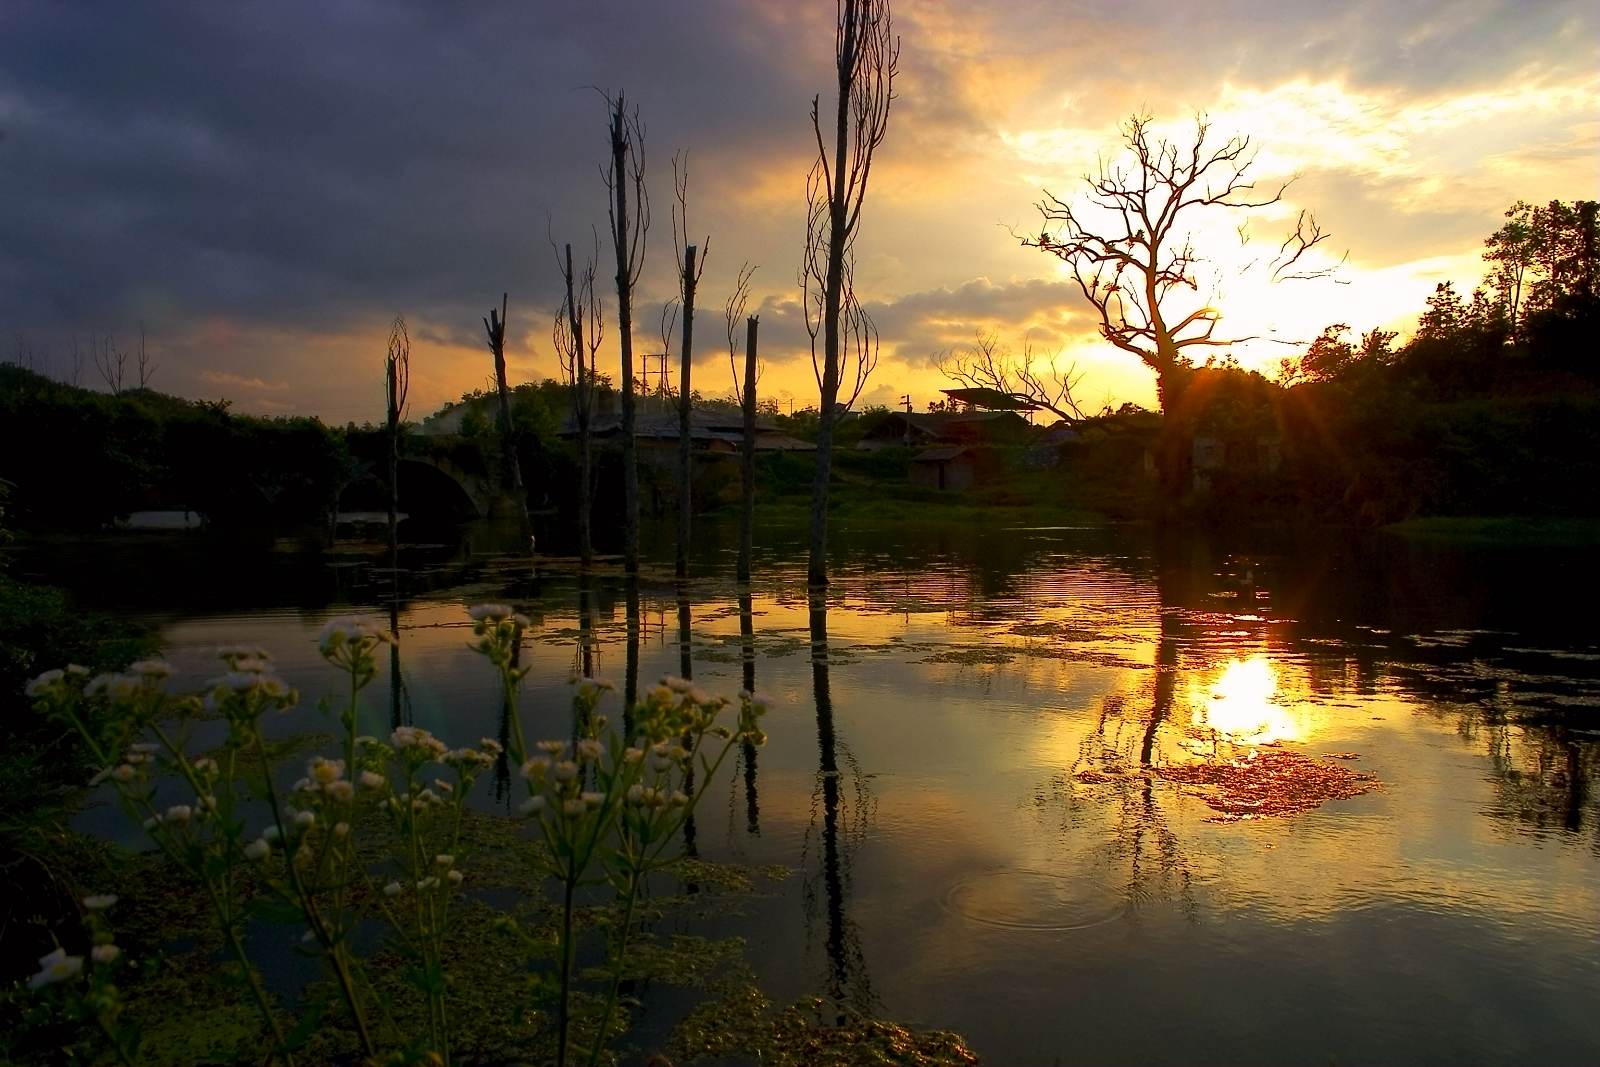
1501, 530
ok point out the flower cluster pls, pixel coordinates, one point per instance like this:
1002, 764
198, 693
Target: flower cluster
497, 628
249, 687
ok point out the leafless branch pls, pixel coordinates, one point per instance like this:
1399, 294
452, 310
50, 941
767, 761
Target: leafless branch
987, 364
147, 367
733, 315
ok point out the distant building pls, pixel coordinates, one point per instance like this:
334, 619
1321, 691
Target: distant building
950, 467
709, 431
968, 428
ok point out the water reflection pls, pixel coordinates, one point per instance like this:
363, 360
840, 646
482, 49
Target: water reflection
747, 751
848, 983
1030, 877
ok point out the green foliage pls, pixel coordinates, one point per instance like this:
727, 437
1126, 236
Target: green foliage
80, 458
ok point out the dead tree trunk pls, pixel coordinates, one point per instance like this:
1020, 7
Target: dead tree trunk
581, 409
397, 375
685, 410
510, 468
866, 55
747, 454
628, 241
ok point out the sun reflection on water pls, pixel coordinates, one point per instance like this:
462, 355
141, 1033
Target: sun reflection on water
1241, 704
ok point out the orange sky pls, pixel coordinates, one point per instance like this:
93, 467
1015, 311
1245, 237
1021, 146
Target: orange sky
1410, 132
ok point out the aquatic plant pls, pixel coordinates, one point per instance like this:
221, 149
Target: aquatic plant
375, 830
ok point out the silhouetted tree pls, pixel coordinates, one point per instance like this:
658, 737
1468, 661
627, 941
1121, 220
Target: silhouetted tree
625, 170
1128, 242
688, 278
494, 327
397, 382
147, 366
577, 332
110, 361
745, 391
866, 59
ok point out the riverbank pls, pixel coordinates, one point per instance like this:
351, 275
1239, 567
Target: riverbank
1524, 530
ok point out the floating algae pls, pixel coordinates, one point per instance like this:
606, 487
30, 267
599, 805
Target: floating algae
1269, 782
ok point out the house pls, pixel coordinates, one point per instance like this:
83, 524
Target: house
967, 428
951, 467
710, 431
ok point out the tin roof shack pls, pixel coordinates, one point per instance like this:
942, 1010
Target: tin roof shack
710, 431
948, 467
969, 428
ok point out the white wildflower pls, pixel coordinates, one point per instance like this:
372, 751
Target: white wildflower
99, 901
341, 791
258, 849
444, 859
105, 953
322, 771
56, 967
44, 682
455, 877
372, 779
489, 612
531, 806
393, 889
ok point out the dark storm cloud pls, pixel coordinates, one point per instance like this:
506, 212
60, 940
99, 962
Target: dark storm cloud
312, 163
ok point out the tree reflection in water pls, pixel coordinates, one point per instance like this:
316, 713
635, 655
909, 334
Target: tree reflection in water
843, 828
747, 752
1118, 755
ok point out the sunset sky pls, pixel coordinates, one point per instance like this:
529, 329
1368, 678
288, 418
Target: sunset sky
266, 186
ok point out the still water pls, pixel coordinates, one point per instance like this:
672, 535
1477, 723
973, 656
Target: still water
974, 773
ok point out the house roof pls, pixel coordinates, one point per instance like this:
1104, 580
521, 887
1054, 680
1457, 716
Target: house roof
993, 399
701, 424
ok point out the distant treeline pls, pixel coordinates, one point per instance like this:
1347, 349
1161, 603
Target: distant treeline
79, 458
1491, 408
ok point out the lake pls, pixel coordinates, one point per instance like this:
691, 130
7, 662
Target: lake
1080, 795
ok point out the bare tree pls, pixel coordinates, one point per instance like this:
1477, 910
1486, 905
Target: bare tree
745, 391
110, 361
866, 59
76, 356
577, 332
147, 366
397, 383
1128, 242
625, 170
988, 365
494, 328
688, 279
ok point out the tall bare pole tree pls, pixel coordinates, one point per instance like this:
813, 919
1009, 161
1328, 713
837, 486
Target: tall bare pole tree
866, 59
625, 170
1128, 244
745, 391
397, 382
577, 332
688, 278
494, 328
